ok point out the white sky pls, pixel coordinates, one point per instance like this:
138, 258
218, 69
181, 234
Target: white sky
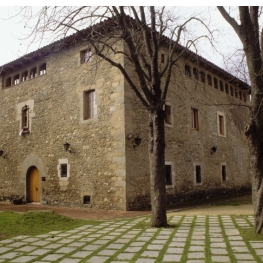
12, 30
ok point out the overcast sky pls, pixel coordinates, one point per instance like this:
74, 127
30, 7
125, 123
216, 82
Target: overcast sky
12, 31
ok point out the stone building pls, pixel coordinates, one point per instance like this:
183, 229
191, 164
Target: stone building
70, 128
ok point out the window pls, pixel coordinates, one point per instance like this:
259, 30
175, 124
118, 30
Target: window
231, 91
240, 95
236, 93
8, 82
63, 169
202, 75
227, 88
33, 73
168, 174
162, 58
86, 199
89, 103
223, 172
195, 73
25, 76
209, 80
244, 97
85, 56
221, 124
168, 117
43, 69
197, 174
187, 70
16, 79
215, 83
25, 119
194, 119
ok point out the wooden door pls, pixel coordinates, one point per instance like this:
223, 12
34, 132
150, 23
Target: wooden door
34, 189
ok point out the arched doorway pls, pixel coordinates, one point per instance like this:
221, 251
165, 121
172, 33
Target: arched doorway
32, 185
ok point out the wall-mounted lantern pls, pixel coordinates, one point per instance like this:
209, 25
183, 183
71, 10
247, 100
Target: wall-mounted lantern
66, 147
136, 139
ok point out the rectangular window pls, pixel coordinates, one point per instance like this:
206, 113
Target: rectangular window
195, 73
244, 97
162, 58
221, 124
168, 174
209, 80
227, 89
202, 75
187, 70
215, 83
43, 69
85, 56
89, 103
33, 73
168, 118
63, 170
194, 119
25, 119
16, 79
231, 91
236, 93
240, 95
223, 173
198, 174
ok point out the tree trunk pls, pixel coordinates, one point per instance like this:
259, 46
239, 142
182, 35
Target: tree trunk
157, 168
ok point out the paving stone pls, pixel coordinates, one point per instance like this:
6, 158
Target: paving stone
39, 252
98, 259
115, 246
179, 239
256, 244
65, 241
52, 257
259, 252
53, 238
172, 258
4, 249
6, 241
197, 242
177, 244
77, 244
240, 249
224, 259
136, 244
70, 260
195, 261
81, 254
236, 238
218, 245
160, 241
143, 238
218, 251
154, 247
244, 256
25, 249
175, 250
107, 252
196, 255
132, 249
145, 260
150, 254
91, 247
17, 244
65, 250
41, 243
237, 243
101, 242
30, 240
20, 237
122, 241
10, 255
127, 256
23, 259
53, 246
197, 248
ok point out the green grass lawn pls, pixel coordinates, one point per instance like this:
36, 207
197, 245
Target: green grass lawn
36, 223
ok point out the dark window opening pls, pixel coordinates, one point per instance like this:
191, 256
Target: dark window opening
162, 58
168, 174
8, 82
25, 76
209, 80
240, 95
33, 73
195, 73
86, 199
221, 122
244, 97
187, 70
43, 69
215, 83
231, 91
64, 170
16, 79
223, 173
194, 116
198, 175
168, 119
227, 88
202, 75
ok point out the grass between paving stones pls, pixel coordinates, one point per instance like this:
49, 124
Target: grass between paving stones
31, 224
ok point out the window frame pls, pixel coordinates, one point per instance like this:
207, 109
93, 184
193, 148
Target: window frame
187, 70
63, 162
209, 79
86, 56
168, 115
89, 104
194, 119
172, 175
198, 171
25, 120
195, 74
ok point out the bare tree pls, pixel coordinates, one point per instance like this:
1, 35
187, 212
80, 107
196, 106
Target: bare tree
145, 31
251, 35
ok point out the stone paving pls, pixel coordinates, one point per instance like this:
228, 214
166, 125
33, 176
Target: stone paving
198, 239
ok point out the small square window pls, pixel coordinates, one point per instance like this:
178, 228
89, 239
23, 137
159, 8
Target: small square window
89, 104
194, 119
168, 117
85, 56
168, 174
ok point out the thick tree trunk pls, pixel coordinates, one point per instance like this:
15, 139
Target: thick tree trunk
157, 168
